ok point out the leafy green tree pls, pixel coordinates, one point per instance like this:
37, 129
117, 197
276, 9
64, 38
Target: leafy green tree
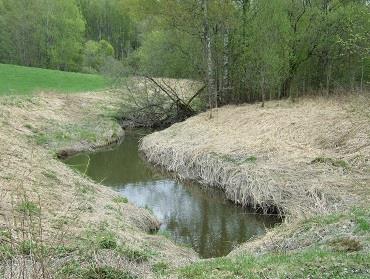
95, 54
43, 33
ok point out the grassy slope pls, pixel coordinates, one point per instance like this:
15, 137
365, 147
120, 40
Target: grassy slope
317, 149
25, 80
53, 216
342, 251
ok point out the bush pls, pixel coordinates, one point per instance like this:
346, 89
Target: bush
95, 54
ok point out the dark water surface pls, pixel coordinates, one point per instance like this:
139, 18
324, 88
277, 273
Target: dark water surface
190, 213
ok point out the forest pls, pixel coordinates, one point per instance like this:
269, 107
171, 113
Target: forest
243, 50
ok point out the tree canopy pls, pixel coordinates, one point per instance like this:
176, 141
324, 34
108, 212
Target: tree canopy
243, 50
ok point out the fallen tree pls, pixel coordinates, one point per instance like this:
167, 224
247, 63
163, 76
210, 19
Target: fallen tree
160, 102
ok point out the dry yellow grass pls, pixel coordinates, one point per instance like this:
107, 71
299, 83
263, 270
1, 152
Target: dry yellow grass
32, 129
304, 158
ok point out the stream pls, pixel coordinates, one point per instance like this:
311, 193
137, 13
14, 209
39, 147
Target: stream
190, 214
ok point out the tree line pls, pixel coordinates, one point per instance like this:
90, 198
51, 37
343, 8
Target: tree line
243, 50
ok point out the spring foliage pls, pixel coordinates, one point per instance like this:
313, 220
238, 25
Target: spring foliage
243, 50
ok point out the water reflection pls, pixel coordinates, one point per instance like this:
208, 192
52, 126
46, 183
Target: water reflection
193, 215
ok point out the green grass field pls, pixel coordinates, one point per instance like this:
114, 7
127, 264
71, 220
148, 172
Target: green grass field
25, 80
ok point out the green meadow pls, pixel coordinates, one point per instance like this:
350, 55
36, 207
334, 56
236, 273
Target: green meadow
26, 80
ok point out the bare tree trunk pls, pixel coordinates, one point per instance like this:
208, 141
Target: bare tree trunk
328, 77
225, 78
362, 75
208, 57
263, 90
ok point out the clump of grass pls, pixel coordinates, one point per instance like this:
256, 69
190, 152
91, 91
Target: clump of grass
73, 269
134, 254
160, 268
106, 272
70, 268
363, 224
251, 159
29, 208
346, 244
41, 138
27, 247
84, 189
28, 126
106, 240
237, 160
331, 161
164, 233
50, 174
101, 238
362, 219
120, 199
63, 249
6, 251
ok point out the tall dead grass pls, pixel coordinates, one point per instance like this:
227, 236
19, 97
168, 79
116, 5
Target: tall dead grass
47, 208
302, 158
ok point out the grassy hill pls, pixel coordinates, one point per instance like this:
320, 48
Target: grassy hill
26, 80
309, 158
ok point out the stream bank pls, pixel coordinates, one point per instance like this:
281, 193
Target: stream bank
89, 230
56, 220
309, 159
190, 214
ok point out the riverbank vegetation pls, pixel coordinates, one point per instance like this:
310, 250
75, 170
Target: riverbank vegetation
308, 160
55, 222
296, 159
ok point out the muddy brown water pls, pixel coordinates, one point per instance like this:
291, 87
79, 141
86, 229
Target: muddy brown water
190, 214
